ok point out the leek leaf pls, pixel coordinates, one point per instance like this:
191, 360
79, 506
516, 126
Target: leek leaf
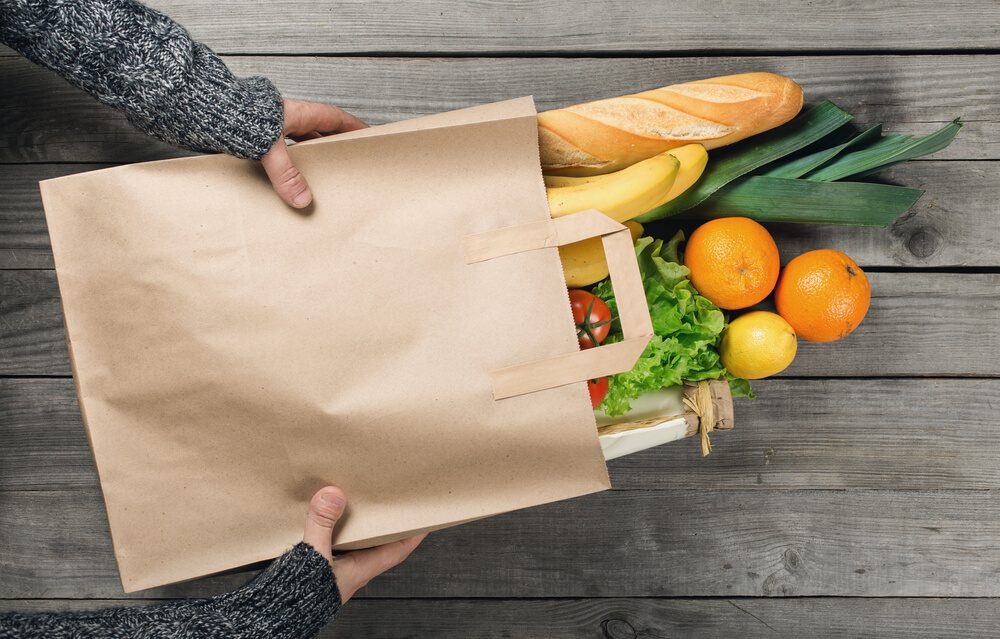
771, 199
800, 166
886, 152
753, 153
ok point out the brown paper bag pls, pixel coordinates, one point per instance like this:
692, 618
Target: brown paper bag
408, 339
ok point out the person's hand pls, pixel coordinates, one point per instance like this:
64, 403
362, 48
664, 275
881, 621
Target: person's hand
354, 569
303, 121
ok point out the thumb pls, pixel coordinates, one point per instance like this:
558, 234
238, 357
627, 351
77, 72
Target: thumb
286, 179
325, 510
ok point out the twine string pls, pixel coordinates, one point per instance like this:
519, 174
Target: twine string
702, 406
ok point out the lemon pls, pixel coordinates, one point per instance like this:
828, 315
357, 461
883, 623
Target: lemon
758, 345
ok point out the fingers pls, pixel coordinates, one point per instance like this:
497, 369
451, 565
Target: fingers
288, 182
375, 561
325, 510
302, 117
357, 568
312, 135
303, 121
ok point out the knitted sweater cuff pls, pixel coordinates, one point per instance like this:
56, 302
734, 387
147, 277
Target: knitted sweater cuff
141, 62
216, 112
294, 597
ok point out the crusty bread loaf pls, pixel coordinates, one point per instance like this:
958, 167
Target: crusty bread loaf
608, 135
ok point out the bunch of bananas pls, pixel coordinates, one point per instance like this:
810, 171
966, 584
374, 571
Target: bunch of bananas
623, 195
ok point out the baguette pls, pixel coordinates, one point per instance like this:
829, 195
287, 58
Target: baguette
608, 135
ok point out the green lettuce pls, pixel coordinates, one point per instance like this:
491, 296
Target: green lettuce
687, 329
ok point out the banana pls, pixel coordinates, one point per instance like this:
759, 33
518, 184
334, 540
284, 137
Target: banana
584, 262
564, 180
621, 195
693, 159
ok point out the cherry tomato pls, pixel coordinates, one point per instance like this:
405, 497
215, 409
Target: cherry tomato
598, 390
592, 317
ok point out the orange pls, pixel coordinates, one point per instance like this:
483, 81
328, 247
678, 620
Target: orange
733, 260
823, 294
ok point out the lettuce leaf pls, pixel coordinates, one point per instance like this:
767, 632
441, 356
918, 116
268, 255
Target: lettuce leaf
687, 329
739, 387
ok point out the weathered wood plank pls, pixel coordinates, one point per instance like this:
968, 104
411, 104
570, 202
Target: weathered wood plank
24, 237
619, 543
913, 328
919, 324
300, 26
32, 339
43, 445
957, 223
42, 118
840, 434
623, 618
928, 434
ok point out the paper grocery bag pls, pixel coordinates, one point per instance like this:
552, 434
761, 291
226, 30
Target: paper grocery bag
409, 339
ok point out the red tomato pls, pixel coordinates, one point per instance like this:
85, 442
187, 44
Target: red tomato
592, 317
598, 390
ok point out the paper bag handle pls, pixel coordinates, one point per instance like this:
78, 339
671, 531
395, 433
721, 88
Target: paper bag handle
633, 313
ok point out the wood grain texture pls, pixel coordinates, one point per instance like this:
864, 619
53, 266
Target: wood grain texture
906, 332
864, 489
956, 223
624, 618
32, 338
42, 118
43, 445
430, 26
618, 543
923, 434
913, 328
24, 236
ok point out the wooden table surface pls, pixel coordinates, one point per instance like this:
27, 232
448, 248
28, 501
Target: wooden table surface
856, 495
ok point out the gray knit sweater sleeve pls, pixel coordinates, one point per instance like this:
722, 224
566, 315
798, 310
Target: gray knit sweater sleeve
292, 599
140, 61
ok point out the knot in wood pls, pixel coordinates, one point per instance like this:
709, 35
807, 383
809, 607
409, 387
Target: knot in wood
923, 242
618, 629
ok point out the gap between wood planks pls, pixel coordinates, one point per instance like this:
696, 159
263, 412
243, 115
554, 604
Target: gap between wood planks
552, 599
946, 270
21, 490
6, 52
570, 55
114, 164
929, 377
